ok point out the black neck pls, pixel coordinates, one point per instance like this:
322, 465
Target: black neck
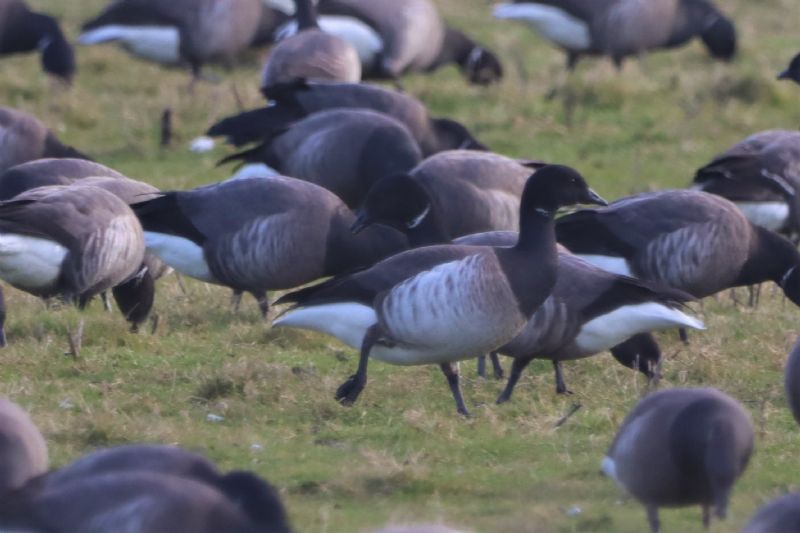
306, 15
537, 230
771, 258
457, 48
28, 31
347, 252
430, 230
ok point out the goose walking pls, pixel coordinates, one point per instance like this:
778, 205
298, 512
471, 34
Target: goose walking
447, 303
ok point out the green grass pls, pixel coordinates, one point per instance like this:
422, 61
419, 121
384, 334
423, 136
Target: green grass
401, 453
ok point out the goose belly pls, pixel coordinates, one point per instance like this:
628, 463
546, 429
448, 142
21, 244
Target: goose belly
366, 41
155, 43
347, 321
30, 263
554, 24
770, 215
610, 329
609, 263
179, 253
253, 170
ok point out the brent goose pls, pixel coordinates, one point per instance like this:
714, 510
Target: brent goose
622, 28
72, 241
177, 31
23, 30
446, 303
343, 150
589, 311
754, 174
294, 101
690, 240
25, 138
681, 447
792, 72
23, 451
49, 171
395, 38
311, 54
792, 380
260, 234
781, 515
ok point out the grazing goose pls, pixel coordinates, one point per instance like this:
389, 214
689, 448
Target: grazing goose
72, 241
690, 240
444, 303
23, 451
343, 150
589, 311
260, 234
23, 30
746, 174
681, 447
135, 502
257, 498
311, 54
792, 380
49, 171
781, 515
292, 102
387, 36
792, 72
622, 28
172, 32
24, 138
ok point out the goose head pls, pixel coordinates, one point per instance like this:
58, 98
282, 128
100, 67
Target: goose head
792, 72
555, 186
397, 201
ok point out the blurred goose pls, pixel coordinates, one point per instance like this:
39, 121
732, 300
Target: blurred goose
589, 311
171, 32
292, 102
70, 241
260, 234
49, 171
446, 303
257, 498
136, 502
781, 515
681, 447
24, 138
755, 174
23, 30
23, 451
622, 28
343, 150
311, 54
792, 72
690, 240
387, 36
792, 380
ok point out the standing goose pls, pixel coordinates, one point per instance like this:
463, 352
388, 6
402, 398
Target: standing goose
260, 234
792, 72
23, 30
746, 174
446, 303
72, 241
792, 380
171, 32
681, 447
781, 515
292, 102
693, 241
343, 150
311, 54
24, 138
23, 451
395, 38
622, 28
589, 311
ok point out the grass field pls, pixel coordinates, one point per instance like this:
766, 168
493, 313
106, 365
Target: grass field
401, 453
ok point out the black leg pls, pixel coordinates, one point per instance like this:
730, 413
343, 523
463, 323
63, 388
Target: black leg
516, 371
496, 367
561, 387
236, 300
263, 303
348, 392
452, 379
706, 516
652, 519
482, 366
106, 301
684, 335
2, 318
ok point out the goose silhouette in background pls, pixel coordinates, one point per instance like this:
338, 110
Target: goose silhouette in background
25, 138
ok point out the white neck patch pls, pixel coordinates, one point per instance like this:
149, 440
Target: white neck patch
413, 223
